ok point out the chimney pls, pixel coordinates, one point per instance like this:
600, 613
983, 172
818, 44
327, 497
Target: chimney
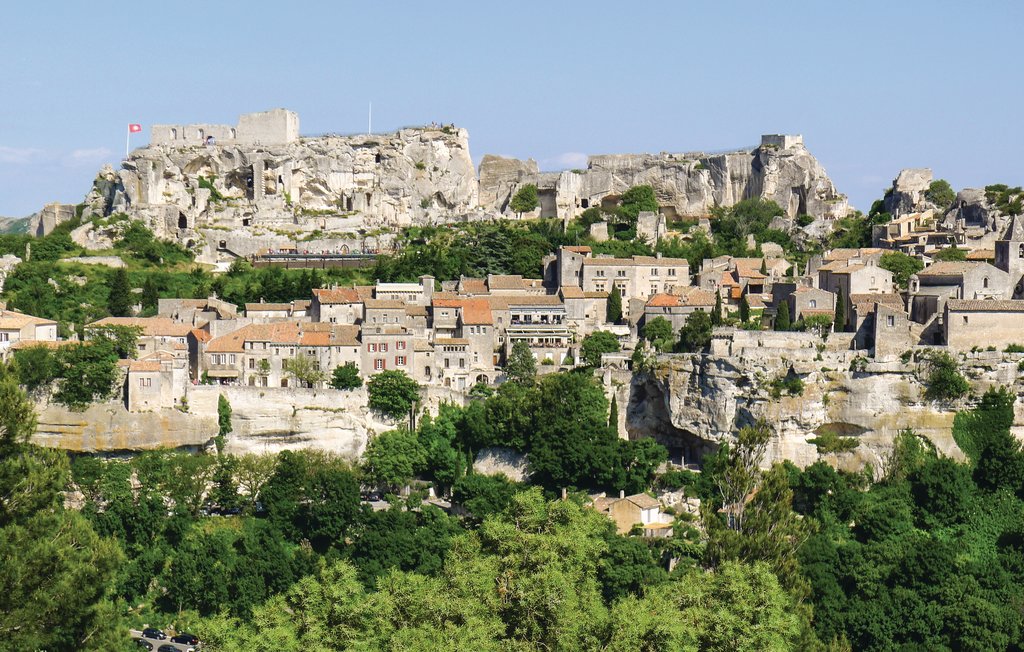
622, 494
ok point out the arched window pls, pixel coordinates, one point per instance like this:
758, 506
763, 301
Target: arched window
985, 282
813, 303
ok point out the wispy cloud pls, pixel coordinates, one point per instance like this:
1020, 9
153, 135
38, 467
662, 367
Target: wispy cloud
19, 155
80, 157
565, 160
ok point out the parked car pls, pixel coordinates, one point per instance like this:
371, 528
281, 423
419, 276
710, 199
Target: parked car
167, 648
143, 644
187, 639
153, 632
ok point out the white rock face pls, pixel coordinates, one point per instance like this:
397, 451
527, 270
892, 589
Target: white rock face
328, 184
492, 461
695, 403
907, 192
685, 184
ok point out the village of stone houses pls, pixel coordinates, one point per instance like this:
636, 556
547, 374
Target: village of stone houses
246, 290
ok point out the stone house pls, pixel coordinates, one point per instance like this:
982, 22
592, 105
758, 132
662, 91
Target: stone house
983, 323
155, 381
387, 347
892, 331
156, 333
19, 327
844, 278
639, 277
678, 306
865, 313
337, 305
802, 299
539, 320
934, 285
585, 312
196, 312
264, 313
638, 509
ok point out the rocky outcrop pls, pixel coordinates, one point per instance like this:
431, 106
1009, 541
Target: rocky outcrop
780, 169
693, 403
329, 184
907, 192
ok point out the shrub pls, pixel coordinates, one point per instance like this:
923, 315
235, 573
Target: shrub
831, 440
1014, 348
790, 384
944, 381
346, 376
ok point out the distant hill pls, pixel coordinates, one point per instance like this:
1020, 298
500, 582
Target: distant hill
13, 225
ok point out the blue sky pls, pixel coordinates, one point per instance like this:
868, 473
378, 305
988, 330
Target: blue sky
873, 86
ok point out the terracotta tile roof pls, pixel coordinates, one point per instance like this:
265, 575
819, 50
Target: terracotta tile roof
981, 254
949, 268
643, 501
270, 307
365, 291
505, 301
636, 261
422, 346
383, 304
473, 285
687, 296
755, 301
328, 296
596, 295
450, 341
416, 311
581, 249
985, 305
234, 342
151, 326
664, 301
841, 254
137, 366
13, 319
476, 312
505, 282
817, 311
726, 279
571, 292
345, 336
49, 344
201, 335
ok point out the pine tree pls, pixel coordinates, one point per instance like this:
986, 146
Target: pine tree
521, 367
840, 323
614, 312
716, 316
150, 294
119, 301
764, 266
782, 320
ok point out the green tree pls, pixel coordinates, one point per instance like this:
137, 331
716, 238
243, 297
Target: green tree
223, 421
613, 415
901, 265
521, 367
304, 369
782, 321
571, 443
613, 309
252, 472
36, 367
716, 316
940, 193
636, 200
346, 376
953, 253
596, 344
88, 372
840, 316
744, 309
525, 199
944, 382
695, 335
658, 331
392, 393
484, 495
119, 302
392, 458
150, 294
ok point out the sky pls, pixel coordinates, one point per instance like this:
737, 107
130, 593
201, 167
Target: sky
873, 87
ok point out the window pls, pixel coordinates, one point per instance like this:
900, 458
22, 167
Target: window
654, 289
400, 346
399, 360
378, 364
654, 271
231, 359
447, 363
984, 284
145, 382
621, 272
600, 272
813, 303
462, 363
142, 347
890, 320
384, 347
372, 348
252, 363
672, 272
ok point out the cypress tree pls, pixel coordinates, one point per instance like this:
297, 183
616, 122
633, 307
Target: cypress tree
744, 309
613, 416
840, 323
614, 311
782, 320
119, 301
716, 316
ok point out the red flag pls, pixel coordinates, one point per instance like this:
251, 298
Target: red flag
132, 129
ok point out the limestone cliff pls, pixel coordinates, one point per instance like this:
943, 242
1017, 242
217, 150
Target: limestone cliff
693, 403
339, 185
780, 169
